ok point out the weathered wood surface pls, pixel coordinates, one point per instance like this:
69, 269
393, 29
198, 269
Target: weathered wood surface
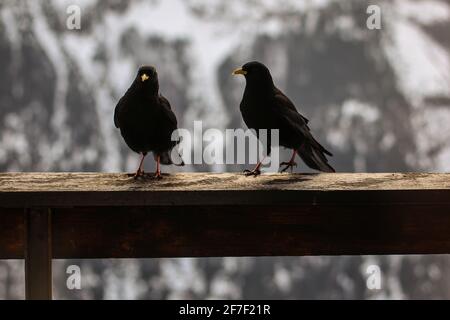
47, 182
91, 189
197, 215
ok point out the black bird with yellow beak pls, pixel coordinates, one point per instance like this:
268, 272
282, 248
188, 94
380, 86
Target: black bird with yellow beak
146, 120
264, 106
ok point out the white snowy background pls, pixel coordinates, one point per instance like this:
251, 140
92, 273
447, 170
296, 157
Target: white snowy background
380, 99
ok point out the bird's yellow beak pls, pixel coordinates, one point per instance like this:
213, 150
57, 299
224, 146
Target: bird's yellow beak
144, 77
239, 71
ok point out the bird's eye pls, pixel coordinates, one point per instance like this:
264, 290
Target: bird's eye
144, 77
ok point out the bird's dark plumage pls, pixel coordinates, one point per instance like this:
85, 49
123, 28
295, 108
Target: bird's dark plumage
264, 106
145, 118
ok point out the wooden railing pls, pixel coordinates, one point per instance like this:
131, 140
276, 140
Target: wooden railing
92, 215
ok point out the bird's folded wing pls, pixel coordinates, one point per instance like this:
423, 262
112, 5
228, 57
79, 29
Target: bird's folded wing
117, 111
167, 110
282, 101
291, 118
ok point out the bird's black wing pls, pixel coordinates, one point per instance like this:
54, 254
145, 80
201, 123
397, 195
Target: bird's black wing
120, 108
291, 118
172, 120
283, 100
116, 114
167, 110
310, 150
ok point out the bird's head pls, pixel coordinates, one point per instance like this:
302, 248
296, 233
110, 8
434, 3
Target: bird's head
148, 77
255, 73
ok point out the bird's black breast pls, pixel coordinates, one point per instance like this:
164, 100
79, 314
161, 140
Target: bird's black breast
146, 124
256, 112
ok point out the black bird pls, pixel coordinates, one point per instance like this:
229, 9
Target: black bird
146, 120
264, 106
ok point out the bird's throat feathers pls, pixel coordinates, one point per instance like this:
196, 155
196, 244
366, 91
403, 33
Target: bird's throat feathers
148, 89
260, 87
260, 80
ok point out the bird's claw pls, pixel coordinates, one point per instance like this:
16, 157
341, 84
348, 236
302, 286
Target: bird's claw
289, 165
158, 175
254, 173
137, 174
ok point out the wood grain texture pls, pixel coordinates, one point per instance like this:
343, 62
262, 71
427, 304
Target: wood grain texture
96, 189
46, 182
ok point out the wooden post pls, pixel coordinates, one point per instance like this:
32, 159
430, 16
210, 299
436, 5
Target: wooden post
38, 254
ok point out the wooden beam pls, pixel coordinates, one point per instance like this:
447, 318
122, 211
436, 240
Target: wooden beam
95, 189
146, 232
112, 216
38, 254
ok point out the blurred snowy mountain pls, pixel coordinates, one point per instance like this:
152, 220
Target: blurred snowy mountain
380, 99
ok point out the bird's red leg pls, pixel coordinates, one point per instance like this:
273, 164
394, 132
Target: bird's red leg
291, 164
255, 172
158, 170
139, 171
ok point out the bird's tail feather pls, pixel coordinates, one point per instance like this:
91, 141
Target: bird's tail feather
318, 146
313, 156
